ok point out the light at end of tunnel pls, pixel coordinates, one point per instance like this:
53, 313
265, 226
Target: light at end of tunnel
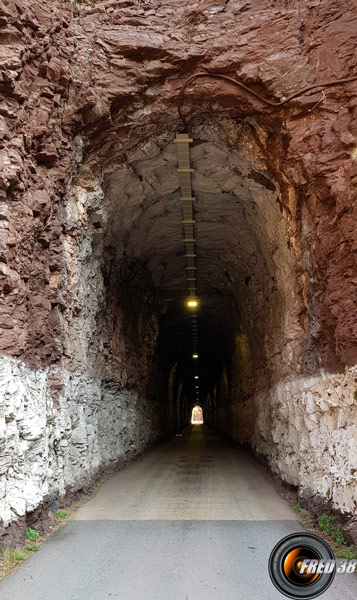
194, 355
197, 415
192, 303
196, 376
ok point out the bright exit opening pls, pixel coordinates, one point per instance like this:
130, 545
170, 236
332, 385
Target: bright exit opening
197, 415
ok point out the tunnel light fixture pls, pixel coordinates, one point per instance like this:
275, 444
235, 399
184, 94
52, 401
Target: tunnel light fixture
192, 303
196, 376
185, 171
197, 387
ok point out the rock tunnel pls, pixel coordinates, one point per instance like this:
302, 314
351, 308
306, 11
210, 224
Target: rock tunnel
96, 339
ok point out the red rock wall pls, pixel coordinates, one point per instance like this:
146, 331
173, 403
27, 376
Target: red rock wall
110, 70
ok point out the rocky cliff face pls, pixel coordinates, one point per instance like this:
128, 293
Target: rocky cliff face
93, 335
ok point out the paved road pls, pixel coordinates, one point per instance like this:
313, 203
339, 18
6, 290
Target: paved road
195, 519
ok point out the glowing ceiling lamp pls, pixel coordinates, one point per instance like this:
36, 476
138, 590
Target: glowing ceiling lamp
192, 303
196, 376
194, 355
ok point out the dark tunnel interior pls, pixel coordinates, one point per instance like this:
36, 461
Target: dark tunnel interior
250, 320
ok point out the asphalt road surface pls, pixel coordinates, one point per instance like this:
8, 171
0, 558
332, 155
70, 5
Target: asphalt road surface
194, 519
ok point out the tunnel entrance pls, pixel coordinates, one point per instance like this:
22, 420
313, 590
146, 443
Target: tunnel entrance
249, 352
233, 249
102, 354
197, 415
125, 360
125, 371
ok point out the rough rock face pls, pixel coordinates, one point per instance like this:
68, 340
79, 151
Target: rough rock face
94, 335
349, 531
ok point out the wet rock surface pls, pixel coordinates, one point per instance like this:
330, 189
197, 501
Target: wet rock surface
93, 334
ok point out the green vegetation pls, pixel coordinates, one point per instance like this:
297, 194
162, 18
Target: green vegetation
328, 527
349, 553
306, 519
32, 534
19, 556
11, 558
60, 514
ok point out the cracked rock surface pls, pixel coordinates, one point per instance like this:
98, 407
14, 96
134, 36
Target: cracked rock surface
94, 337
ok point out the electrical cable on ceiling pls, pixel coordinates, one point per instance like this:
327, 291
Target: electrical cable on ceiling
241, 85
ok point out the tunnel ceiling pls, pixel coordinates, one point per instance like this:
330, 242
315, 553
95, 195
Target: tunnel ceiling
243, 251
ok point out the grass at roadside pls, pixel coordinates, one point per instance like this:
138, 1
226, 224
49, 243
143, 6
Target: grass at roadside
13, 557
327, 528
